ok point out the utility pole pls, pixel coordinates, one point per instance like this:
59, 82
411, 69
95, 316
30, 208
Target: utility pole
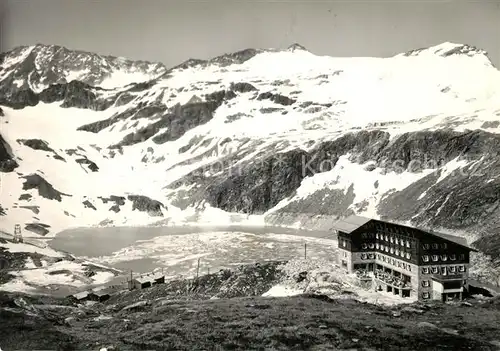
305, 251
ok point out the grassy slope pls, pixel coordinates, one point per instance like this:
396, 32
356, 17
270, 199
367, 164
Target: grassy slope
294, 323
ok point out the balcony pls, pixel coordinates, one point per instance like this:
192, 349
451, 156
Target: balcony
392, 280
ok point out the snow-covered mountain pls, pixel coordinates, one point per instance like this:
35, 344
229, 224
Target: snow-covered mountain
277, 136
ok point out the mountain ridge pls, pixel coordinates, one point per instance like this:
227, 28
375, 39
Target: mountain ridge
263, 135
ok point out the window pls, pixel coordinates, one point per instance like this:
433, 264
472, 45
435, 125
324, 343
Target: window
402, 253
345, 254
377, 236
404, 265
377, 246
462, 257
452, 269
425, 283
363, 235
378, 256
391, 250
425, 270
408, 256
453, 257
461, 269
409, 268
393, 262
391, 239
443, 271
425, 258
444, 258
371, 256
383, 258
408, 244
399, 264
434, 258
371, 246
425, 295
386, 248
434, 270
396, 241
364, 246
397, 252
444, 245
386, 237
363, 256
435, 246
426, 246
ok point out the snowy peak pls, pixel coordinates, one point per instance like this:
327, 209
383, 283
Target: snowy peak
39, 66
449, 49
296, 47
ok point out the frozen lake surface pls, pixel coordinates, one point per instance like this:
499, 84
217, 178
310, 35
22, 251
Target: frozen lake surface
177, 249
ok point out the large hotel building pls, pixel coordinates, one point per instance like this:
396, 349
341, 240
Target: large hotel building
403, 260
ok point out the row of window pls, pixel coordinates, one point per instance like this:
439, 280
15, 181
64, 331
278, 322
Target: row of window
444, 258
385, 248
399, 264
394, 262
444, 270
394, 239
435, 246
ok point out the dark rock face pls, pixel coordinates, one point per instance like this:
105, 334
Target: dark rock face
45, 189
89, 204
26, 197
145, 204
224, 60
119, 200
466, 198
75, 94
36, 144
7, 162
34, 209
276, 98
2, 211
90, 164
242, 87
177, 123
38, 228
1, 112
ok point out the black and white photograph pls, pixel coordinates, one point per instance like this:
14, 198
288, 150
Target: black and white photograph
249, 175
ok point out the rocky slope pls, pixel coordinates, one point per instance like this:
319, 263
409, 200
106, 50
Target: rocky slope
283, 137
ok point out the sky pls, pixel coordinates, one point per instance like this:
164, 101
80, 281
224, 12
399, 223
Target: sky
171, 31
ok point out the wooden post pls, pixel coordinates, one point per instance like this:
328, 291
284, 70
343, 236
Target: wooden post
198, 268
208, 270
305, 250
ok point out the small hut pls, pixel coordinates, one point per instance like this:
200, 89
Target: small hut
80, 297
157, 278
100, 295
140, 283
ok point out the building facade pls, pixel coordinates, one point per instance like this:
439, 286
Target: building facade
402, 260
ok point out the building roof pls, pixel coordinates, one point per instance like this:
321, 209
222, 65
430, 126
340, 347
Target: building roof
143, 279
101, 292
157, 276
81, 295
456, 239
350, 224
